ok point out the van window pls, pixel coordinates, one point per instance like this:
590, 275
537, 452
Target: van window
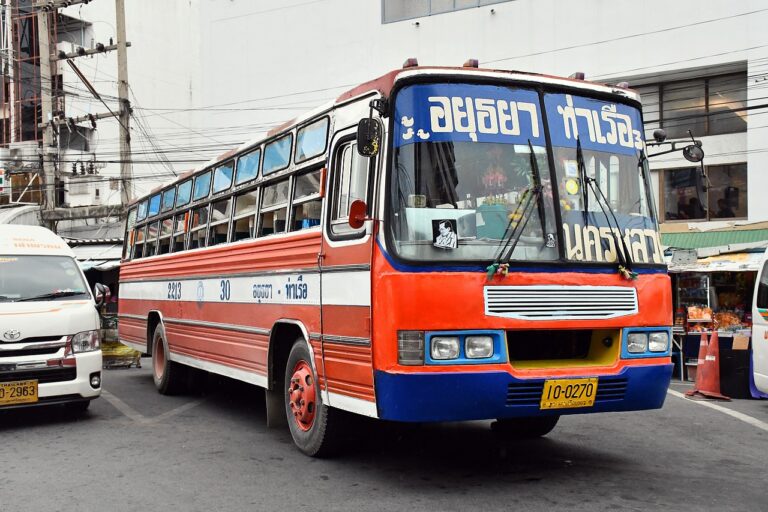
41, 278
762, 288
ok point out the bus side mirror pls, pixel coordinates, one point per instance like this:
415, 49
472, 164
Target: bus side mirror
368, 137
357, 212
101, 293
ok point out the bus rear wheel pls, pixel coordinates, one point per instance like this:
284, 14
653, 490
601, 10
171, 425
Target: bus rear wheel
169, 376
525, 428
312, 424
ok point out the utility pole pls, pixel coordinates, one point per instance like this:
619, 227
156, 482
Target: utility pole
46, 88
125, 103
10, 70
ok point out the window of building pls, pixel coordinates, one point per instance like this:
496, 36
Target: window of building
720, 194
398, 10
705, 106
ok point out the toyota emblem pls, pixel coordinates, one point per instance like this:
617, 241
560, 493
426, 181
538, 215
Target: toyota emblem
12, 335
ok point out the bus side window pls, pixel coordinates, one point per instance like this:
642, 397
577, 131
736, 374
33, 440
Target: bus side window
762, 288
274, 208
151, 245
350, 182
138, 241
179, 231
220, 213
245, 216
129, 236
199, 228
306, 201
166, 230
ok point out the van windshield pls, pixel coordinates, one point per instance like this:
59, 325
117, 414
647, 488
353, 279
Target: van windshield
31, 278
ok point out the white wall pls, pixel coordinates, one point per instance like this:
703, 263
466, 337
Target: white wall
245, 65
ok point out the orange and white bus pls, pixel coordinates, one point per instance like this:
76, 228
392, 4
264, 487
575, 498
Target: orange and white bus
438, 244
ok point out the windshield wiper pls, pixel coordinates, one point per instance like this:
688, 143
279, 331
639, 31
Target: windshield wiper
53, 295
518, 220
623, 255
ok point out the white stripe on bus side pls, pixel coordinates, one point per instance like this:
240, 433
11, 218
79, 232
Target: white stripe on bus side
339, 289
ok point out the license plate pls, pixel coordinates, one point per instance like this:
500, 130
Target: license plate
18, 392
568, 393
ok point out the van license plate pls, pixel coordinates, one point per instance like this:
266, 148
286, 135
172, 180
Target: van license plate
568, 393
18, 392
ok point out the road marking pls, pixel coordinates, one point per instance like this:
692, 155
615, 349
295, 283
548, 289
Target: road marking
739, 416
123, 407
136, 416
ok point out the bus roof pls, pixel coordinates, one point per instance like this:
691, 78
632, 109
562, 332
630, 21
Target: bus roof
31, 240
384, 86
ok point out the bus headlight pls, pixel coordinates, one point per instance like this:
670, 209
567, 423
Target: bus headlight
478, 347
444, 347
658, 341
86, 341
637, 342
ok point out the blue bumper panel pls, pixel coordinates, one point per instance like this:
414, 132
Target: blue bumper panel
476, 396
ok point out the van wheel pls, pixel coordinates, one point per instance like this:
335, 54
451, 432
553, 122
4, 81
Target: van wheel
525, 428
314, 426
169, 376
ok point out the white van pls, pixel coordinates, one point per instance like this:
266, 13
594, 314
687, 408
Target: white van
760, 328
50, 342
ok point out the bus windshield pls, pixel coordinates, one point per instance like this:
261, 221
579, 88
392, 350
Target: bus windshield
467, 157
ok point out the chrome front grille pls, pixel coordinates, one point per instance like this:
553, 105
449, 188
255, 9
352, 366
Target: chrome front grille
41, 347
560, 302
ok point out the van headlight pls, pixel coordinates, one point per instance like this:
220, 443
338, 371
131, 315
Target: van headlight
86, 341
444, 347
658, 341
637, 342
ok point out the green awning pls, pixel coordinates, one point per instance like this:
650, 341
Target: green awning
699, 240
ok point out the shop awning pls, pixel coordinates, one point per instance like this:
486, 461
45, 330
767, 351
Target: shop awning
733, 262
701, 239
97, 255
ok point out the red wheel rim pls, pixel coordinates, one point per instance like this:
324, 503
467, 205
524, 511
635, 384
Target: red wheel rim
302, 396
158, 359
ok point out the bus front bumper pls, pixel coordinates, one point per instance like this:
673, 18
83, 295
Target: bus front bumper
425, 397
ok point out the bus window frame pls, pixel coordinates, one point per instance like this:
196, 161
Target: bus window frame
178, 188
130, 224
276, 206
191, 230
311, 122
145, 206
306, 199
170, 208
143, 230
253, 213
227, 221
289, 135
161, 237
159, 197
180, 216
193, 198
235, 181
334, 191
155, 240
230, 164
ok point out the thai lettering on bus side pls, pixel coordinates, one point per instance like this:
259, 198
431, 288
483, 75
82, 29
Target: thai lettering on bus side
480, 115
298, 290
592, 243
604, 126
262, 291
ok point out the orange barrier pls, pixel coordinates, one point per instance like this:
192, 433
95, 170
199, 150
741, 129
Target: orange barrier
708, 370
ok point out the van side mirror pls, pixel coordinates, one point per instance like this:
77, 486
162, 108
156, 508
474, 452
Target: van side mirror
357, 211
101, 293
368, 137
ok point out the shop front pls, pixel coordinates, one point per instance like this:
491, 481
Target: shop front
714, 294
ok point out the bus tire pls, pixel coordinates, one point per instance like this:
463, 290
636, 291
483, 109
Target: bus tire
525, 428
169, 376
313, 425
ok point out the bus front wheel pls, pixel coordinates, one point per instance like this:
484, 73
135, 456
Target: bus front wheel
525, 428
313, 424
168, 375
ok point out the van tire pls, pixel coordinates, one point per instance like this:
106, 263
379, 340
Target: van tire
170, 377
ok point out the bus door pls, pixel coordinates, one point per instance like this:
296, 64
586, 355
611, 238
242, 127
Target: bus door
760, 329
346, 279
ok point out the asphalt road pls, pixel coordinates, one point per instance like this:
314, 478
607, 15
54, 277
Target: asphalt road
137, 450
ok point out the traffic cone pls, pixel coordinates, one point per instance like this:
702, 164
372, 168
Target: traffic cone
708, 371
